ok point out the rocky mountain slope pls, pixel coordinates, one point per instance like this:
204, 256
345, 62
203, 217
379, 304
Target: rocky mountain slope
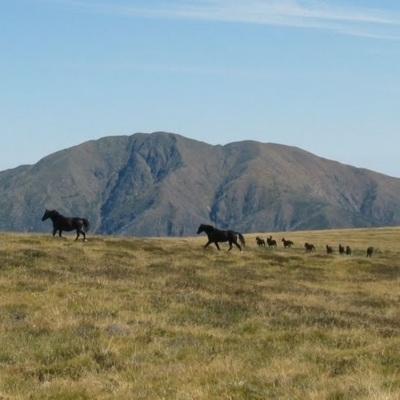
163, 184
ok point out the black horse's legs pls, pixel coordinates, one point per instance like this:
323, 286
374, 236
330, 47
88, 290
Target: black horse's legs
209, 242
235, 242
238, 246
80, 231
54, 231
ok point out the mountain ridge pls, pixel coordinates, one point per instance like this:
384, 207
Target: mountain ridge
164, 184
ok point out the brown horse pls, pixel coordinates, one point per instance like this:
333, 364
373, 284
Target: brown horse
309, 247
287, 243
370, 250
271, 242
260, 242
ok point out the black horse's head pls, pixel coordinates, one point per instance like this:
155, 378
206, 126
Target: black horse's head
201, 228
49, 213
205, 228
46, 215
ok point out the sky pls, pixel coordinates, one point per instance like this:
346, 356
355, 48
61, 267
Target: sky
323, 76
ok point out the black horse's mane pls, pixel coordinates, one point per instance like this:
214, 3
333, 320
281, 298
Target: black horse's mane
55, 213
206, 226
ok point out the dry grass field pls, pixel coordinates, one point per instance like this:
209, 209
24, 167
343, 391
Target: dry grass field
162, 318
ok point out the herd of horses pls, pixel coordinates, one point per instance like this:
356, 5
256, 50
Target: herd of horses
309, 247
214, 235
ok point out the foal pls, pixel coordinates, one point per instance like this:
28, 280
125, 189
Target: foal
271, 242
309, 247
260, 242
287, 243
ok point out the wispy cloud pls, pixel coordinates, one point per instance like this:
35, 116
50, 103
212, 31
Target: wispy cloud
347, 20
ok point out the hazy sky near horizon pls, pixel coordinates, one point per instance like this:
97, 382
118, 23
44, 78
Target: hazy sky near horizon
320, 75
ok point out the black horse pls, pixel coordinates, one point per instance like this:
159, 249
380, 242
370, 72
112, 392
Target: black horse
61, 223
217, 235
329, 249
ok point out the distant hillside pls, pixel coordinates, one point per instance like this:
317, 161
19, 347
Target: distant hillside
163, 184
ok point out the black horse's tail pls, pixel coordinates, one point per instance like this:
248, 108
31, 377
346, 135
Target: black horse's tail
86, 224
241, 238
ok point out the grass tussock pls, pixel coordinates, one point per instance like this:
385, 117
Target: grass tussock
163, 318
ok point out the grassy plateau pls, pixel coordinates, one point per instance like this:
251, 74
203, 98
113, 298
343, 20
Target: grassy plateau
163, 318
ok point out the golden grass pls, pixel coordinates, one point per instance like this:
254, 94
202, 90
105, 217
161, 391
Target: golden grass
153, 318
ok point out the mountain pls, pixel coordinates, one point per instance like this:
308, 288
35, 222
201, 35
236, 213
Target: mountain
164, 184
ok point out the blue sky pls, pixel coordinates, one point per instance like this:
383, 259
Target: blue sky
320, 75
